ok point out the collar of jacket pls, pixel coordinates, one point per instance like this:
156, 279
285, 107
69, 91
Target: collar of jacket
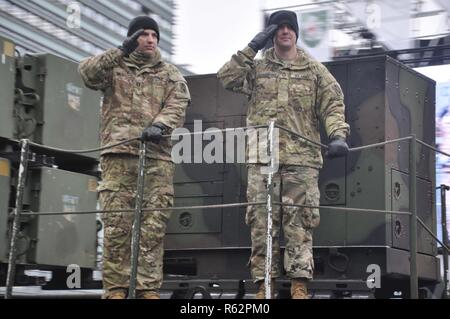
134, 62
301, 62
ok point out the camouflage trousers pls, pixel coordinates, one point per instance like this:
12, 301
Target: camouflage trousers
118, 191
293, 185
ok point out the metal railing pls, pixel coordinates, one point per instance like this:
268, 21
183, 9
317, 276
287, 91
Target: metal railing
269, 203
445, 245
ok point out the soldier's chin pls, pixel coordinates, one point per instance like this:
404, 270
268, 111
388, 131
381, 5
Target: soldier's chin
285, 46
148, 51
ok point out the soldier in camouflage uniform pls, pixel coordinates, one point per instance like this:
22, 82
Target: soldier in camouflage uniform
298, 92
142, 94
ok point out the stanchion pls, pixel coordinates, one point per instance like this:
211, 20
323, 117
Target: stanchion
268, 265
136, 229
444, 188
23, 166
414, 286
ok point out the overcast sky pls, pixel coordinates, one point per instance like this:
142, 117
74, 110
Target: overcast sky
208, 32
439, 73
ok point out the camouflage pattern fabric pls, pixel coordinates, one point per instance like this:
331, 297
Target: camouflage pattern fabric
293, 185
136, 96
118, 191
297, 95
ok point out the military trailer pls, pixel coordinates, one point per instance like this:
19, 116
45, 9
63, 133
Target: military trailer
207, 250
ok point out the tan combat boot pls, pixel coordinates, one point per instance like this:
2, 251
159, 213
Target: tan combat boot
261, 294
147, 294
299, 289
116, 294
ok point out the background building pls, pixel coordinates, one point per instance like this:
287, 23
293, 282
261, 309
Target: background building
77, 29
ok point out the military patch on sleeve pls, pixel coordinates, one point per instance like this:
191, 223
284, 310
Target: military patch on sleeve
183, 88
336, 89
182, 91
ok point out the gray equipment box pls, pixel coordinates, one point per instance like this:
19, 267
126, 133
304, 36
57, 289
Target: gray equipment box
65, 239
7, 80
206, 184
5, 173
384, 100
67, 114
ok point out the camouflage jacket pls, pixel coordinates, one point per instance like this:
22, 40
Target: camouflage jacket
134, 98
297, 95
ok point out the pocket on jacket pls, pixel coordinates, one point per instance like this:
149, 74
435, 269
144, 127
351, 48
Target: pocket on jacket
310, 217
302, 93
108, 186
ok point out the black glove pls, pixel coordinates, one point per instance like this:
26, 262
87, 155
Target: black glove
130, 44
154, 133
337, 148
260, 40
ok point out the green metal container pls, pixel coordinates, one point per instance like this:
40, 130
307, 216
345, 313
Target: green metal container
5, 173
65, 239
7, 79
67, 114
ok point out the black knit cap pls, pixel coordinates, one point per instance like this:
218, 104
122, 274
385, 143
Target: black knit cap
284, 17
143, 22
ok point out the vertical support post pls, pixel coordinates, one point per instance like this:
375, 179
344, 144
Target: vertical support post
23, 167
414, 285
444, 188
136, 229
269, 206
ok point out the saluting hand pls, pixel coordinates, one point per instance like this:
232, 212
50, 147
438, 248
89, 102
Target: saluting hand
130, 44
260, 40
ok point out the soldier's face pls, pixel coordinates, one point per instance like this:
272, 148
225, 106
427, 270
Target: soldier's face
147, 42
285, 37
